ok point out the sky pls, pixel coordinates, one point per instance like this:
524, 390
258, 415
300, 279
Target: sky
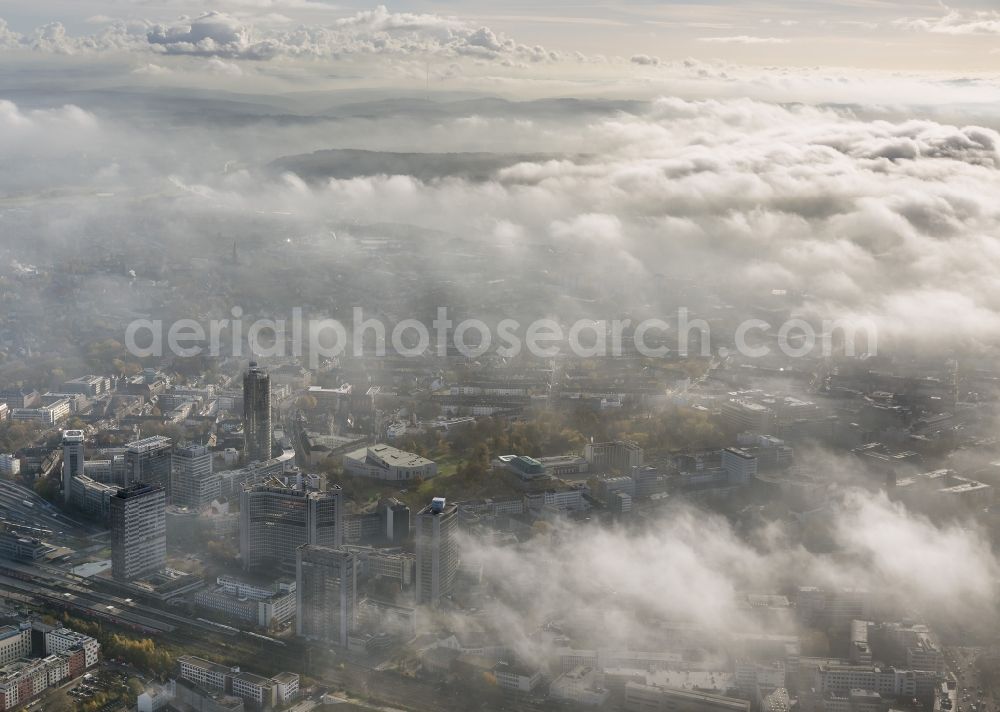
862, 34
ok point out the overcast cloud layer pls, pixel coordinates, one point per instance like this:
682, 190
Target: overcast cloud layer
893, 220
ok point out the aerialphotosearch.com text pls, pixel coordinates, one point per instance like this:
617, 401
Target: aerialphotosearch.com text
325, 338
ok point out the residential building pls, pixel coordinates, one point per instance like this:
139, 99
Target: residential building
62, 639
22, 680
15, 642
23, 677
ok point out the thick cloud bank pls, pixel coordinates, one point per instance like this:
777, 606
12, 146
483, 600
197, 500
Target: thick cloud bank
616, 588
217, 34
894, 221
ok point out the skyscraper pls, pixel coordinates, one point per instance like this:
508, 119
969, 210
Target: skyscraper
149, 461
437, 552
256, 414
138, 531
194, 484
278, 516
73, 452
326, 589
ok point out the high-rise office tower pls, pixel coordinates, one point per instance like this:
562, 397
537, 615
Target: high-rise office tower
149, 461
194, 484
437, 552
326, 589
256, 414
278, 516
396, 517
73, 451
138, 531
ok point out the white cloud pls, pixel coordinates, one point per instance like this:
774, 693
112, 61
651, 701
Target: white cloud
150, 69
645, 60
743, 39
211, 34
615, 588
955, 23
228, 69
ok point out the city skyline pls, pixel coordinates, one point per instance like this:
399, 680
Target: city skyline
527, 357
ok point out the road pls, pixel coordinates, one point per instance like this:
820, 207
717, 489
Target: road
970, 693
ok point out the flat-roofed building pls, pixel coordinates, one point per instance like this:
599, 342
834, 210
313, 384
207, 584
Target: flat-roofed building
9, 465
149, 461
266, 606
615, 456
91, 497
739, 465
20, 547
437, 550
203, 672
73, 459
87, 385
15, 642
138, 531
48, 414
582, 685
278, 516
744, 415
194, 484
257, 432
326, 583
384, 462
60, 640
